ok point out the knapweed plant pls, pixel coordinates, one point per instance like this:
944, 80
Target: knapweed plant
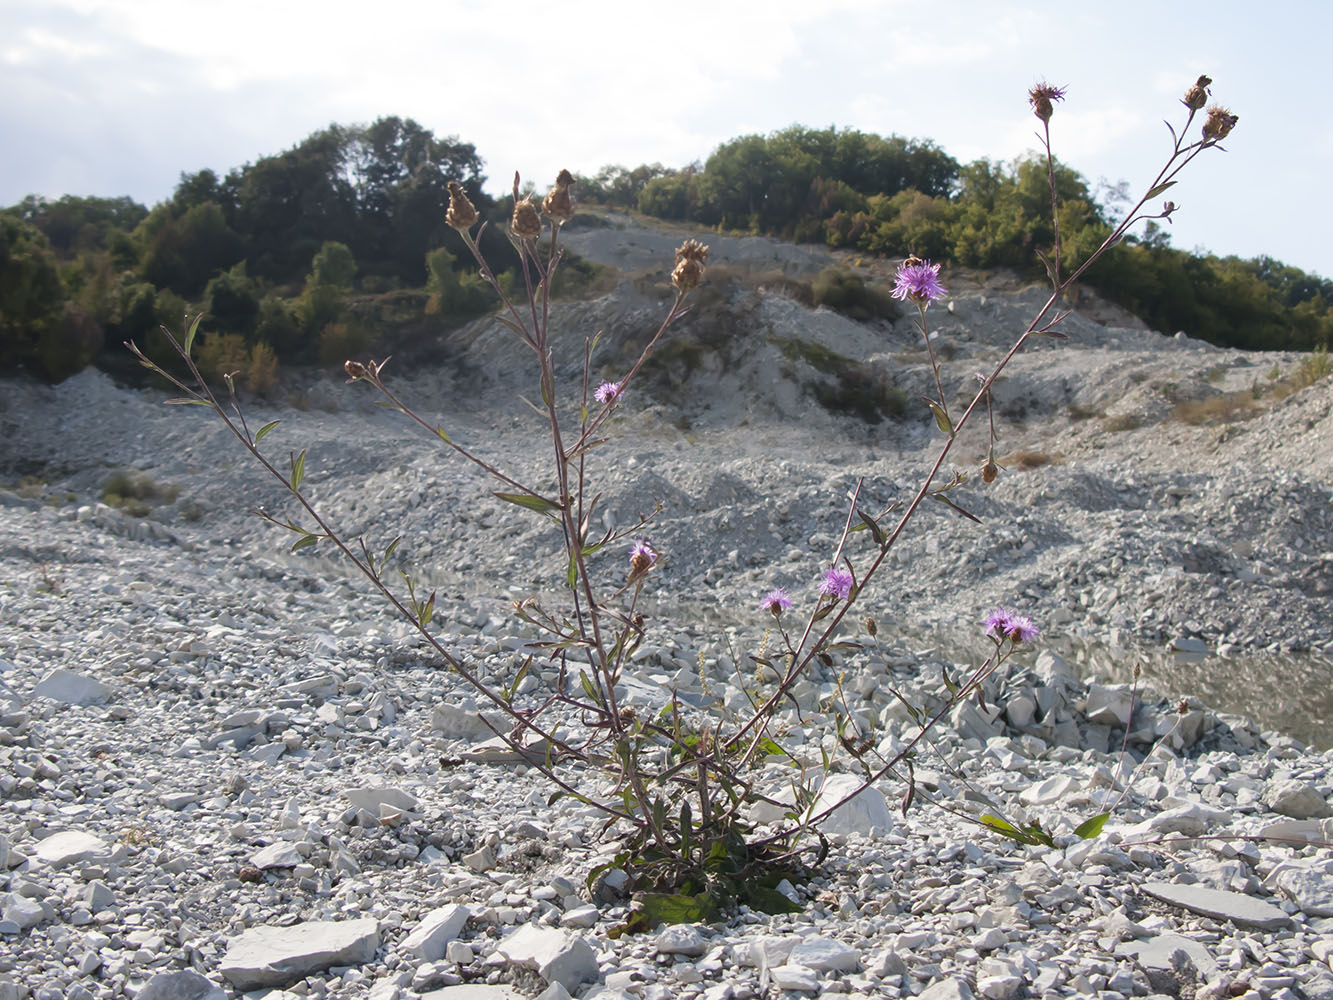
682, 789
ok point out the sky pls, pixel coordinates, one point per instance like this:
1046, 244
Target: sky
120, 97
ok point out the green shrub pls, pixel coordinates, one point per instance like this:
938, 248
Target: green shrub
848, 293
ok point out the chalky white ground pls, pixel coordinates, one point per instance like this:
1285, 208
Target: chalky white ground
239, 697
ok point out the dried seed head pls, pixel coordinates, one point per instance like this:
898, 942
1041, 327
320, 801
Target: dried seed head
355, 370
871, 628
989, 470
1183, 708
1219, 124
558, 205
1041, 96
462, 215
690, 260
526, 223
1197, 96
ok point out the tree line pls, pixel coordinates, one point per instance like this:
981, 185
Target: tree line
279, 252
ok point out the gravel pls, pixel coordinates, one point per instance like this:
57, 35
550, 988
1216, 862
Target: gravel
210, 747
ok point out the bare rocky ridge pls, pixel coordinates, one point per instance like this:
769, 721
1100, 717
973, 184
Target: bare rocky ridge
220, 699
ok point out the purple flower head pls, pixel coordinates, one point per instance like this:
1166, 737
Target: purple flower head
776, 601
606, 392
838, 582
1003, 623
918, 280
642, 557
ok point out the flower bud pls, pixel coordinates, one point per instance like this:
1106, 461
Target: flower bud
689, 271
1219, 124
1197, 96
355, 370
1041, 96
526, 224
462, 215
558, 205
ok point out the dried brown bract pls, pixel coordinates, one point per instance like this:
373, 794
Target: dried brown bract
526, 223
1219, 124
1197, 96
690, 260
558, 205
462, 214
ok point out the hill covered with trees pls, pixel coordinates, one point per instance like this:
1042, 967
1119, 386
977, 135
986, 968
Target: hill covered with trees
302, 256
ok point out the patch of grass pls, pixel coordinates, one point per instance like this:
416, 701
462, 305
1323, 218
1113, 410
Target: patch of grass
1076, 411
1315, 367
135, 492
1120, 422
857, 388
1025, 461
1224, 409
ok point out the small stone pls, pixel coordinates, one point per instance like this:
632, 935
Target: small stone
867, 814
1310, 889
280, 855
435, 930
581, 916
279, 956
98, 897
1110, 704
1002, 987
947, 989
1296, 799
183, 985
23, 912
825, 955
371, 799
556, 956
69, 688
794, 977
481, 860
681, 939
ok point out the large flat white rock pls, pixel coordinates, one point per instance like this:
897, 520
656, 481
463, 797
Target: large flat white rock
279, 956
1220, 905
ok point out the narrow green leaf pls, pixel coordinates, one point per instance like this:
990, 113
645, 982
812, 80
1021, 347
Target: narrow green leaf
443, 436
259, 435
949, 682
187, 402
189, 337
531, 502
298, 470
303, 541
1092, 826
1005, 827
941, 418
1052, 334
388, 552
870, 523
428, 611
572, 574
1158, 190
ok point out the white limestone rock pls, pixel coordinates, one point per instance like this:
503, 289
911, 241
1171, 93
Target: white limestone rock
70, 688
72, 847
1240, 909
1296, 799
432, 934
182, 985
280, 956
556, 956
